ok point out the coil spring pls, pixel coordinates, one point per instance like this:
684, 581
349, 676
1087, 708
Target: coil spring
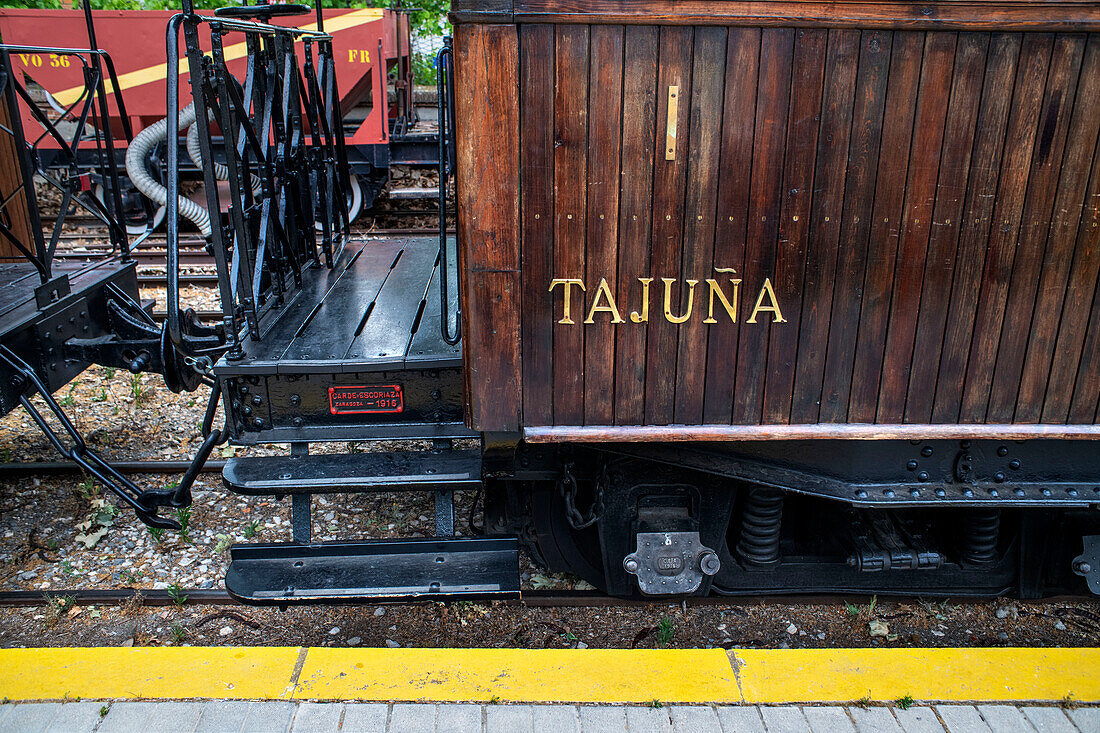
761, 518
980, 535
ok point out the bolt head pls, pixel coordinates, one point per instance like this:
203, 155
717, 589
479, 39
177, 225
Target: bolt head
630, 565
709, 563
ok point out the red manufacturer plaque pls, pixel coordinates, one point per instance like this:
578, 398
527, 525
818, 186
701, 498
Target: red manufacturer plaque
356, 400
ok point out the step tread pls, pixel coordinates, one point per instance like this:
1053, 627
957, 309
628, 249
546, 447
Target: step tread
284, 574
414, 192
353, 472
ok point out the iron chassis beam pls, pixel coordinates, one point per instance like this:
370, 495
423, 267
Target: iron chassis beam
1034, 474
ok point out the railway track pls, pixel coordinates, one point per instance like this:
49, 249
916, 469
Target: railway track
533, 598
196, 264
127, 467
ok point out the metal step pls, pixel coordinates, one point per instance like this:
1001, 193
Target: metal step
354, 472
341, 572
414, 193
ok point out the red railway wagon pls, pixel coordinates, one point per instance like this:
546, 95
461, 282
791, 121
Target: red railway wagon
371, 45
367, 43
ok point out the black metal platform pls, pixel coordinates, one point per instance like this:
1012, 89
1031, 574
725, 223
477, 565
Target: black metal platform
426, 568
371, 323
36, 319
378, 309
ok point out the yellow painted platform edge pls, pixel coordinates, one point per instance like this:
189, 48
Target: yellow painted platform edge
750, 676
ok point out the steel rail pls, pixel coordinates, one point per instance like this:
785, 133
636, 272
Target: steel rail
127, 467
533, 598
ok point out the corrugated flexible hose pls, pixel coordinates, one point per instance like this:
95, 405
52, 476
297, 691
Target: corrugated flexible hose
221, 170
145, 141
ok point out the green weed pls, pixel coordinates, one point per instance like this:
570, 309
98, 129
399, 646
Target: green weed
88, 490
137, 390
665, 630
175, 592
905, 702
183, 516
252, 529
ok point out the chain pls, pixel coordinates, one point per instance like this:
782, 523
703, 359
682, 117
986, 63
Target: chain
567, 487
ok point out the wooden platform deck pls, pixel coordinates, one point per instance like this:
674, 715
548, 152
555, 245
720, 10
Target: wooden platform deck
378, 309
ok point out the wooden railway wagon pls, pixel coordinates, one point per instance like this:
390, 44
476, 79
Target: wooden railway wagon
840, 255
769, 296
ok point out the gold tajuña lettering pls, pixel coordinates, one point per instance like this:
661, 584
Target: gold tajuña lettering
604, 291
773, 308
642, 317
568, 282
668, 300
603, 300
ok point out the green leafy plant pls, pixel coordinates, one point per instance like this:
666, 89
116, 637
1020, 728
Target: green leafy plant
183, 516
178, 633
104, 710
110, 372
57, 606
70, 397
252, 529
665, 630
853, 609
175, 592
102, 396
157, 533
905, 702
88, 490
655, 704
137, 390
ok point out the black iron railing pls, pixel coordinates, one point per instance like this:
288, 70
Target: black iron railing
281, 138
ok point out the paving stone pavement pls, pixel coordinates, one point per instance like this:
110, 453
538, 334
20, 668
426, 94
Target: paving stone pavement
312, 717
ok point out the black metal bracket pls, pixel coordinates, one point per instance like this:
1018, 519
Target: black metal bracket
144, 503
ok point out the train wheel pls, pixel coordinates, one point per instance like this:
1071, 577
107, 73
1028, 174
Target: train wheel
563, 548
354, 201
133, 208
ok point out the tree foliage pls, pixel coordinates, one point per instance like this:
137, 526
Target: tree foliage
428, 16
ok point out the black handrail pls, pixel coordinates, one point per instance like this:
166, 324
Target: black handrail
445, 105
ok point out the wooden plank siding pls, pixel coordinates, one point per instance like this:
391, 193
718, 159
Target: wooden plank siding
855, 225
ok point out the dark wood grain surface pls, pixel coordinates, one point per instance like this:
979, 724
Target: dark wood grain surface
487, 101
859, 224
